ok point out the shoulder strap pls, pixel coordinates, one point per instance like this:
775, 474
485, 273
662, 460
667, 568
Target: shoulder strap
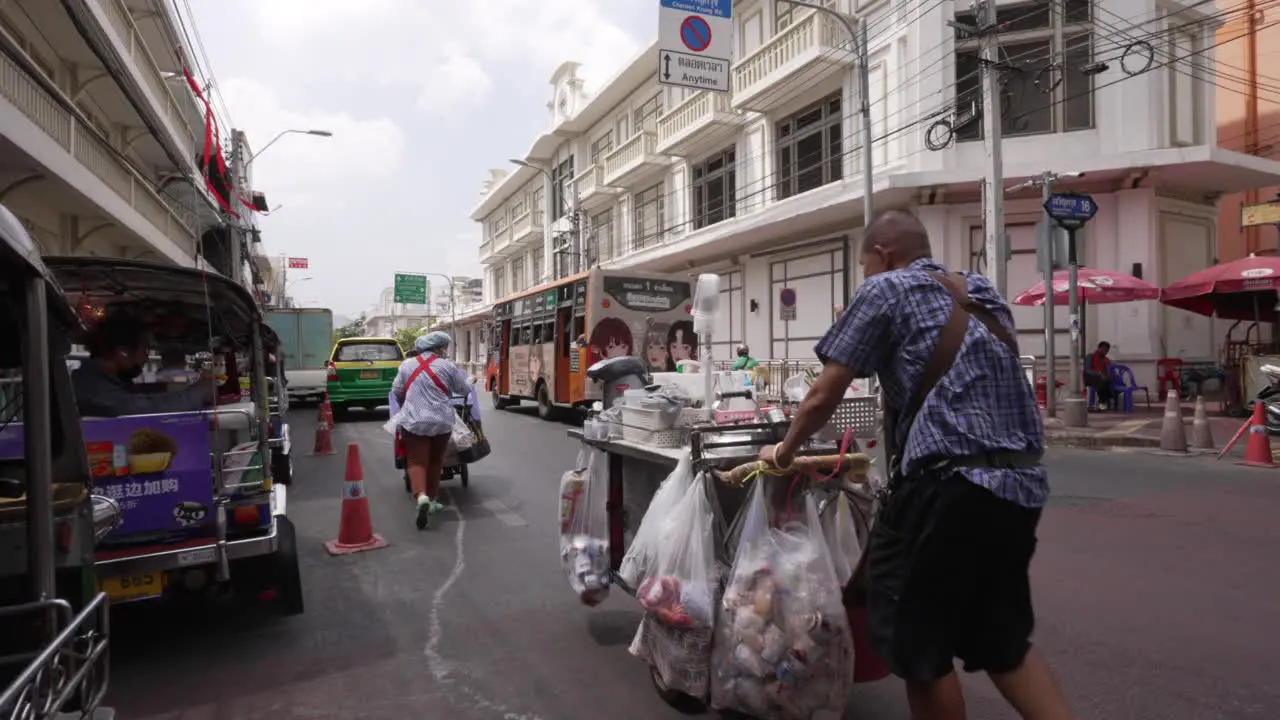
943, 356
425, 364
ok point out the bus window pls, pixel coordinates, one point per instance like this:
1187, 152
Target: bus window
549, 332
526, 335
515, 335
537, 334
579, 326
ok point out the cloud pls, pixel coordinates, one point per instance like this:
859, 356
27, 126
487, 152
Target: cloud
360, 149
455, 42
457, 81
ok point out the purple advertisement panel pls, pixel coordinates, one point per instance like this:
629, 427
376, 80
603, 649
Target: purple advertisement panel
156, 467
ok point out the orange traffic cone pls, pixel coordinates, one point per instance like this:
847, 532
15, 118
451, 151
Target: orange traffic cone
324, 438
355, 531
1257, 451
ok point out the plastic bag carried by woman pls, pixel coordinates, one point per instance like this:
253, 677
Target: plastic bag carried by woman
679, 594
584, 526
783, 647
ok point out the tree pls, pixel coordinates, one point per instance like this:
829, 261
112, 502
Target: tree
353, 329
407, 337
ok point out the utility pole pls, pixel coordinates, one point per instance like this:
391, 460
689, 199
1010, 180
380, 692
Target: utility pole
236, 234
993, 183
1048, 265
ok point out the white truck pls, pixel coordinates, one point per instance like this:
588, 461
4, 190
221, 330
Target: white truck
306, 337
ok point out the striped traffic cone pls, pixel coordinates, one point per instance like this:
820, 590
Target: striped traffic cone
355, 530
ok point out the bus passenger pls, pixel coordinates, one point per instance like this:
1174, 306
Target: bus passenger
118, 350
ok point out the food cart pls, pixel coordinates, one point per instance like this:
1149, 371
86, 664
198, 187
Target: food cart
53, 621
636, 470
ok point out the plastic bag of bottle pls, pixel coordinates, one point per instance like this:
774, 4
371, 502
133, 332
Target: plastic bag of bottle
679, 595
783, 647
642, 554
584, 526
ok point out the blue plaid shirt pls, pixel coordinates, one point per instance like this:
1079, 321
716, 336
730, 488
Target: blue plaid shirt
983, 404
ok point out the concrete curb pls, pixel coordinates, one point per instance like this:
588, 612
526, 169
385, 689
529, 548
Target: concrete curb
1096, 441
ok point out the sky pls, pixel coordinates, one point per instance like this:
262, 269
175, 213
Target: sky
423, 98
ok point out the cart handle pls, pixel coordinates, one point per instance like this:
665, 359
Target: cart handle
856, 463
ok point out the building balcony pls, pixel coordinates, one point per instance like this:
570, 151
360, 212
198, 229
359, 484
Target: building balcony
43, 133
634, 161
794, 60
700, 123
526, 229
146, 70
486, 251
590, 189
502, 246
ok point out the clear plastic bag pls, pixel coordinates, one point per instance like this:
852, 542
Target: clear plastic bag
642, 554
841, 532
783, 647
462, 437
679, 595
584, 526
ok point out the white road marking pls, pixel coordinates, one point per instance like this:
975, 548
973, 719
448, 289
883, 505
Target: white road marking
441, 669
504, 513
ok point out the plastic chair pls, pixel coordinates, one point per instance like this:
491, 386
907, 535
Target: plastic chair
1123, 384
1169, 376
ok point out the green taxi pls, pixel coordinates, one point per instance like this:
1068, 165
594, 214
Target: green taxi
361, 371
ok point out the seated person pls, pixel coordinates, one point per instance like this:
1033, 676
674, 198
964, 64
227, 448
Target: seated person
103, 385
1097, 374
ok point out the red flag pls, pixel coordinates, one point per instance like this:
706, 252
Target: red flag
297, 263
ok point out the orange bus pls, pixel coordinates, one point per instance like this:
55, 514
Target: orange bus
542, 341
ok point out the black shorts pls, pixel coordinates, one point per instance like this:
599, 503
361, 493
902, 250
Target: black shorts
947, 578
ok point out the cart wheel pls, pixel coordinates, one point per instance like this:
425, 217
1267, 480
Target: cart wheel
464, 475
682, 703
408, 487
285, 573
546, 410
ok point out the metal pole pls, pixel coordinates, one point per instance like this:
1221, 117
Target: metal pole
1076, 409
1050, 333
868, 186
237, 265
38, 442
993, 182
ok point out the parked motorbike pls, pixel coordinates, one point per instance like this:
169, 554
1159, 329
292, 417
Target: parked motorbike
1269, 396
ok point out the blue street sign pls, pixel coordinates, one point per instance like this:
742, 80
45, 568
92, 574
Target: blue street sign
1071, 210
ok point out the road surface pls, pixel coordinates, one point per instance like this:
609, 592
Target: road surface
1156, 586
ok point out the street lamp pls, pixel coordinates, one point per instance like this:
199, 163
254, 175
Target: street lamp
317, 133
563, 210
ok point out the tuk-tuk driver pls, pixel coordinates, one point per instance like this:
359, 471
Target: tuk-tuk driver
103, 385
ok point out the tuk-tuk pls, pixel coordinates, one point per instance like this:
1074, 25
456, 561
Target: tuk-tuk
53, 620
201, 509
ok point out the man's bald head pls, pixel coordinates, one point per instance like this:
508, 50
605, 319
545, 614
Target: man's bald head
894, 239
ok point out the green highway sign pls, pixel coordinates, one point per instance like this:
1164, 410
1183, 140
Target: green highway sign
411, 289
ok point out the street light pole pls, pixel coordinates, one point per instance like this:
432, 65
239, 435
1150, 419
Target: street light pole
858, 38
575, 228
317, 133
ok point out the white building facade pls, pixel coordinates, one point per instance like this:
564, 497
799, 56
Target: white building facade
101, 133
764, 185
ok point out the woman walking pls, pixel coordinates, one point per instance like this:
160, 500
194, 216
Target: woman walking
423, 389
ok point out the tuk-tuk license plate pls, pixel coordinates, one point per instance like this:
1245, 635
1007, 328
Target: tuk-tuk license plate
368, 374
126, 588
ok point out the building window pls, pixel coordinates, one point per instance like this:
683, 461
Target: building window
649, 210
1046, 44
499, 283
517, 275
645, 117
562, 188
810, 149
714, 189
536, 262
601, 147
602, 231
539, 201
521, 206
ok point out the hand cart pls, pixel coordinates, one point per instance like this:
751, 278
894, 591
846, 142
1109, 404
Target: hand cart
453, 465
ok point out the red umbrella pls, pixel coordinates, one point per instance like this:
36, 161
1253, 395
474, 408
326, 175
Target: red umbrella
1095, 287
1244, 289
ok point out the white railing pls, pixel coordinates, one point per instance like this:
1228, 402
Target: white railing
526, 224
501, 239
589, 181
634, 150
149, 70
693, 111
91, 151
815, 31
485, 249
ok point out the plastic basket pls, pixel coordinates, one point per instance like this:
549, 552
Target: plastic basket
644, 419
667, 438
859, 415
